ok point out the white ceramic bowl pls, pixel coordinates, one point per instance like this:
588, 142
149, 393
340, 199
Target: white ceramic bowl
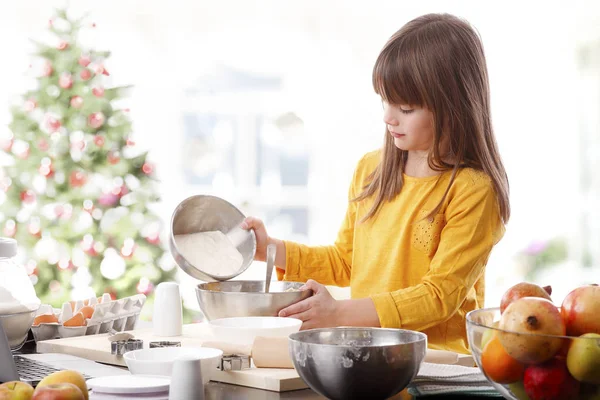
243, 330
16, 326
160, 360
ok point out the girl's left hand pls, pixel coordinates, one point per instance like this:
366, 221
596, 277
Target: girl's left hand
318, 311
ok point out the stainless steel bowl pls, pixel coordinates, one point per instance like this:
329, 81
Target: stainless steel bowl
247, 298
357, 363
205, 213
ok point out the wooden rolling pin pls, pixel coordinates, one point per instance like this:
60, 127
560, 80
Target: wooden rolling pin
268, 352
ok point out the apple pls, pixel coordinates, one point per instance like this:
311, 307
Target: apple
581, 310
17, 390
59, 391
583, 358
66, 376
550, 381
526, 325
518, 390
524, 289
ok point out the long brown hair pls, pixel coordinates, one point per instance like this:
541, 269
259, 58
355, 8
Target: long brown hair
437, 61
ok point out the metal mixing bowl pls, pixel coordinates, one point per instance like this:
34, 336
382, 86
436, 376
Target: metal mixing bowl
247, 298
205, 213
357, 363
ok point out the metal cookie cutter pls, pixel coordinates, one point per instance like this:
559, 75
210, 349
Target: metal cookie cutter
120, 347
164, 344
234, 362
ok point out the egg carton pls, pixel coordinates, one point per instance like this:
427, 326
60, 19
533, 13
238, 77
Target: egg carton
108, 316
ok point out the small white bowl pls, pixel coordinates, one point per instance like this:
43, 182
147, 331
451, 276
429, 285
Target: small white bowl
243, 330
160, 360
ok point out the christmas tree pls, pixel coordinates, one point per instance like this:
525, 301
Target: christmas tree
77, 190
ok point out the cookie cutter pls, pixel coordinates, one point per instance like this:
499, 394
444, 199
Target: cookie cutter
164, 344
234, 362
120, 347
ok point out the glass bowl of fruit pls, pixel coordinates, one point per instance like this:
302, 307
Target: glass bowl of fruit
529, 348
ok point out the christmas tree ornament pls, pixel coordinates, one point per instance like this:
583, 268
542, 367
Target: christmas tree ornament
113, 157
128, 248
51, 123
153, 239
29, 105
88, 205
98, 91
147, 168
144, 286
130, 142
84, 60
96, 120
99, 140
77, 179
62, 45
6, 141
108, 199
65, 81
46, 168
85, 74
28, 196
113, 265
47, 69
100, 70
10, 228
76, 101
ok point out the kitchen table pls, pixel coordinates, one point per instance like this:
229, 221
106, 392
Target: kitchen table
223, 391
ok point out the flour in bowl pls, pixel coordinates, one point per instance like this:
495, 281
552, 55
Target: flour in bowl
211, 252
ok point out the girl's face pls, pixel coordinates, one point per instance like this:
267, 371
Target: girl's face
410, 126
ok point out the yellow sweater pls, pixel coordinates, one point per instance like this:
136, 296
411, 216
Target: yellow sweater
422, 275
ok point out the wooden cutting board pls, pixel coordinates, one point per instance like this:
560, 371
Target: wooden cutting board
97, 348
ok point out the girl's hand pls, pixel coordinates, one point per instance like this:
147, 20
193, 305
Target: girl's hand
318, 311
262, 238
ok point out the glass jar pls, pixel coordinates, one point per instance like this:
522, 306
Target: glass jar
18, 301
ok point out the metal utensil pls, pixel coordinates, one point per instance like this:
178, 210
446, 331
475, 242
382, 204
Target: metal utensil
247, 298
357, 363
271, 252
205, 213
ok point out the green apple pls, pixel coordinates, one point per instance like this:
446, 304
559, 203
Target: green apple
583, 358
16, 390
518, 390
488, 334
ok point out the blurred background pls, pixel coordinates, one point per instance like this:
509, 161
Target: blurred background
269, 105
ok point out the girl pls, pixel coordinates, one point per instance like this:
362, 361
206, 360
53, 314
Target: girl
424, 211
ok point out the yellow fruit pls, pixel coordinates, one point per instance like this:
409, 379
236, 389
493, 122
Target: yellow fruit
16, 390
67, 376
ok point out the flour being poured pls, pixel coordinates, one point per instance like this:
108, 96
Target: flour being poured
211, 252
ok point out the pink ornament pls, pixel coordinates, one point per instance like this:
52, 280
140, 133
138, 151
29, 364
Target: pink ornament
28, 196
98, 91
77, 179
10, 228
85, 74
76, 102
52, 124
47, 70
8, 144
62, 45
47, 170
108, 199
147, 168
59, 210
100, 70
84, 60
29, 105
99, 140
153, 239
130, 143
96, 120
113, 157
43, 144
65, 81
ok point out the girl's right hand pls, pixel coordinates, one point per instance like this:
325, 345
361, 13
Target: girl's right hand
262, 238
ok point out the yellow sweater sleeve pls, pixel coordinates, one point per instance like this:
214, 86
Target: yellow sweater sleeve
328, 265
473, 227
